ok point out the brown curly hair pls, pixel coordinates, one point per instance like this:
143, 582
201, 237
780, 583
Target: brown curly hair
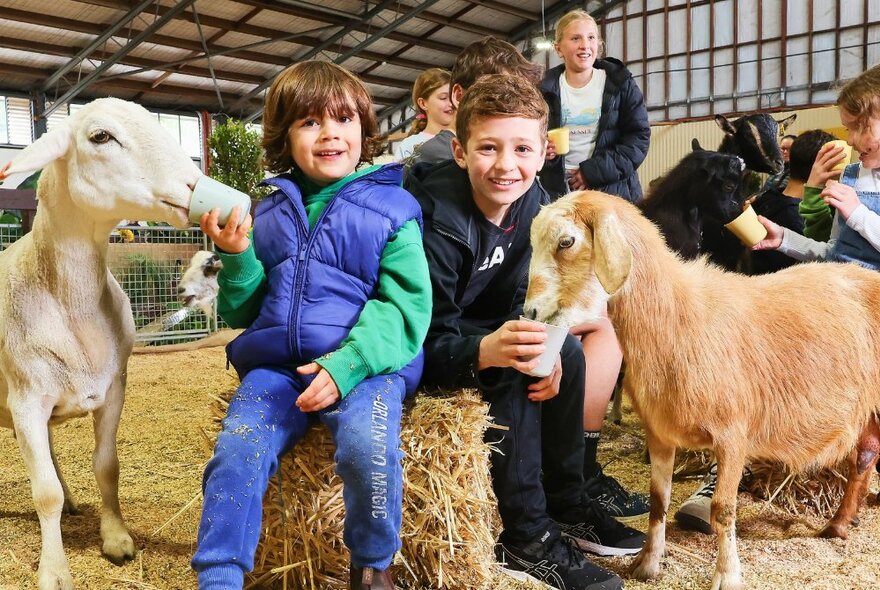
314, 88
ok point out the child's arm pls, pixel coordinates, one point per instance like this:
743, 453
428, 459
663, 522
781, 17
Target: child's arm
818, 216
850, 208
242, 280
792, 243
392, 326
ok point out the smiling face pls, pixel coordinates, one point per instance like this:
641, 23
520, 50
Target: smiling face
502, 158
438, 107
326, 148
864, 136
579, 45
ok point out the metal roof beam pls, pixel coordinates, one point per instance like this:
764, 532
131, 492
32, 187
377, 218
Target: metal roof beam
354, 50
239, 52
554, 12
100, 39
325, 17
507, 9
157, 24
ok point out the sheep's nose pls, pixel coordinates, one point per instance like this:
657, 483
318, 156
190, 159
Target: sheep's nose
530, 313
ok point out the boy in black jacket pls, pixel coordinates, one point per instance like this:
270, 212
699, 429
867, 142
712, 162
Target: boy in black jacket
477, 212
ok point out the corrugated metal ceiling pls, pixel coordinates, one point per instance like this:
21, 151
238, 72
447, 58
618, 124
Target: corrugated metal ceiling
248, 42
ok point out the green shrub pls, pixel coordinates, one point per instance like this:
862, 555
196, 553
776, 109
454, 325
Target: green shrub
235, 158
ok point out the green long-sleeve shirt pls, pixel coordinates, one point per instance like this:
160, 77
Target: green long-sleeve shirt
817, 215
392, 326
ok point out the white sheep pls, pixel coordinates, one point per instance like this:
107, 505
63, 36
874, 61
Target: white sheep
66, 328
715, 359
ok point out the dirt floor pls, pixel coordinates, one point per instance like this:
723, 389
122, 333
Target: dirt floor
162, 451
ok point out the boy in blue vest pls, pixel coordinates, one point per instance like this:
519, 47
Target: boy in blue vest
336, 294
478, 210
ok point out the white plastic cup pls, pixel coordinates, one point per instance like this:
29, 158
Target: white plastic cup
212, 194
560, 138
553, 344
747, 228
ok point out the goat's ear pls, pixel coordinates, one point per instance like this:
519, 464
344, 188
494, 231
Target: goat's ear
725, 125
38, 155
612, 256
786, 122
695, 145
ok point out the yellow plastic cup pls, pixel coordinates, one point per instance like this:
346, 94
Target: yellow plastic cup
559, 137
847, 153
747, 228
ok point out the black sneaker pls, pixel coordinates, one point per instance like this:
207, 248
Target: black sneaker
555, 561
616, 501
595, 531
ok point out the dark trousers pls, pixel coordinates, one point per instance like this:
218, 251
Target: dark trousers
541, 437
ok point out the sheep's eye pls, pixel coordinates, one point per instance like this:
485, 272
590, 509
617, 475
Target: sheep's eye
100, 136
566, 242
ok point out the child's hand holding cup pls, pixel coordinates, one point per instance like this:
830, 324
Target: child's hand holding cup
747, 228
847, 153
212, 194
552, 346
560, 139
216, 201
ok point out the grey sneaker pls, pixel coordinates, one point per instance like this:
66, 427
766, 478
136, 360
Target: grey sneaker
696, 512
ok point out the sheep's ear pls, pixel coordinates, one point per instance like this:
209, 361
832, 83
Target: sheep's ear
612, 256
725, 125
36, 156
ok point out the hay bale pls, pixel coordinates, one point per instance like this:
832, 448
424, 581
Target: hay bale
450, 519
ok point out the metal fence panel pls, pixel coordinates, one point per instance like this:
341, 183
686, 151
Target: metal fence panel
148, 262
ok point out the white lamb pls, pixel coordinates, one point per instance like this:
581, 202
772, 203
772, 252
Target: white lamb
66, 327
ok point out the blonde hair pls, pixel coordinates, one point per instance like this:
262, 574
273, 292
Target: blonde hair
499, 96
314, 88
424, 86
861, 95
576, 15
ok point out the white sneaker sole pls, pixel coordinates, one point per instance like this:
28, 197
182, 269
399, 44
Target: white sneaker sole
602, 550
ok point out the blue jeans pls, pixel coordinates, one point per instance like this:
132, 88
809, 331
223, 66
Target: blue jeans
263, 423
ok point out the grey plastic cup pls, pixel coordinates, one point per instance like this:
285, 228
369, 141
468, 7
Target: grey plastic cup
553, 344
213, 194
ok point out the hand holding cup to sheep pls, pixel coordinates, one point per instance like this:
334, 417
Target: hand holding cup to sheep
514, 341
774, 235
231, 238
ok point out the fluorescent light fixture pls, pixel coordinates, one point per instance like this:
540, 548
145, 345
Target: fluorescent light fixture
543, 44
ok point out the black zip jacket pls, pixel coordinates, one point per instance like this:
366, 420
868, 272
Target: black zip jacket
450, 224
622, 137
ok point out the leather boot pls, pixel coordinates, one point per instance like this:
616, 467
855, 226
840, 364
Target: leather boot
368, 578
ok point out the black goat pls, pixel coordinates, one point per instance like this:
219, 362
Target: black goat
755, 139
703, 186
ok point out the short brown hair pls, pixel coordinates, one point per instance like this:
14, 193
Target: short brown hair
492, 56
500, 95
314, 88
861, 95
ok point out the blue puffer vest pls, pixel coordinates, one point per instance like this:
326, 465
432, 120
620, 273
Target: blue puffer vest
319, 282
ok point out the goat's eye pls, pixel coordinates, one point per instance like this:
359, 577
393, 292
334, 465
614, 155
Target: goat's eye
100, 136
566, 242
729, 187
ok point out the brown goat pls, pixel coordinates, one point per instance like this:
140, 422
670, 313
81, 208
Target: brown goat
715, 359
